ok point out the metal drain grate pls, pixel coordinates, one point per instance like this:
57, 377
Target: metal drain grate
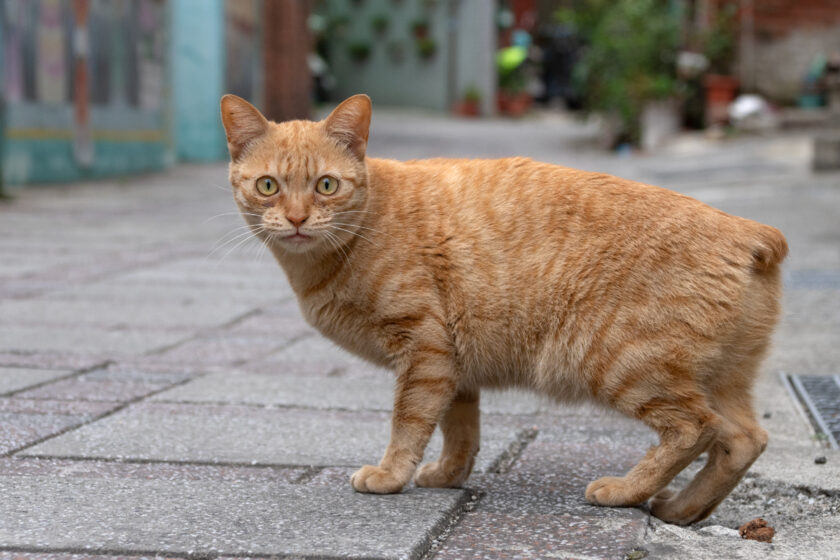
820, 396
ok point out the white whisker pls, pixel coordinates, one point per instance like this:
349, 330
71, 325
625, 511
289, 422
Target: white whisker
356, 233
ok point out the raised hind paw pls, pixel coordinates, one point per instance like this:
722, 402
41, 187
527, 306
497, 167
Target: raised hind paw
613, 491
376, 480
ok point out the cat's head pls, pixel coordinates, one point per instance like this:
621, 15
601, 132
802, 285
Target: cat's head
301, 185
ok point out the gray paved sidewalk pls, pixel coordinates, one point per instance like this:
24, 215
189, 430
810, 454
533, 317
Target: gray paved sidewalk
161, 395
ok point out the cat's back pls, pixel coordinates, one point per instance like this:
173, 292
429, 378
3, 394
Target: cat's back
545, 251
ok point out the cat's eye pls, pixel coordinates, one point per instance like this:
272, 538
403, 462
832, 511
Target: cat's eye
267, 186
327, 185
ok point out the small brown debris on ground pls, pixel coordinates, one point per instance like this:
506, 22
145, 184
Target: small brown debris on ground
757, 530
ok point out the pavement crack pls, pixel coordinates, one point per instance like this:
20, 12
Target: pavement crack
438, 534
510, 455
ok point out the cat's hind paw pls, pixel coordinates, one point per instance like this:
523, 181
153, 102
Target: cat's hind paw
375, 480
613, 491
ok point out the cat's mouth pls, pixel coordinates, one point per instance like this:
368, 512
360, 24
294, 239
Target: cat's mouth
296, 237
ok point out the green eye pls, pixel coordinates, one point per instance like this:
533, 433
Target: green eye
327, 185
267, 186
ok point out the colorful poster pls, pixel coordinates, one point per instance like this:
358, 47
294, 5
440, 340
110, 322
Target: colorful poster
50, 75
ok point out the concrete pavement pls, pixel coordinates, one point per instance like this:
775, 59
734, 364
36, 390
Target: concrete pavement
161, 395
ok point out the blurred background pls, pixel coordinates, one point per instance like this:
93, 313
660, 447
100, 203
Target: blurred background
95, 88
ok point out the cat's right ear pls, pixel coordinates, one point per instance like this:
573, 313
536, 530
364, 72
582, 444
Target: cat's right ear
243, 124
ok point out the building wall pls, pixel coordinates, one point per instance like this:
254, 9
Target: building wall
198, 74
58, 130
395, 73
787, 36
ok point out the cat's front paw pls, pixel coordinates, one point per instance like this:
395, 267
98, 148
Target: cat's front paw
376, 480
440, 475
613, 491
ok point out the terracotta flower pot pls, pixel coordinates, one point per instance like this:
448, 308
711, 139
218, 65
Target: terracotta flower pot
467, 109
720, 92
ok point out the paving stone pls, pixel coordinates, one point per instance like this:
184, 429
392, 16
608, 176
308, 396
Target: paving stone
115, 290
15, 555
267, 277
218, 517
87, 409
15, 379
85, 340
311, 354
117, 315
250, 435
227, 348
19, 429
49, 360
67, 468
339, 389
107, 385
498, 535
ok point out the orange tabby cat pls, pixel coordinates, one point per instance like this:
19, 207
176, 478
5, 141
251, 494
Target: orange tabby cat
462, 274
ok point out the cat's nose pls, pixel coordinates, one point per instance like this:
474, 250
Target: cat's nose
296, 220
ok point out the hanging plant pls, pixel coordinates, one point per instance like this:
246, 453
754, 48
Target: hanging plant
339, 25
426, 48
359, 50
379, 23
420, 28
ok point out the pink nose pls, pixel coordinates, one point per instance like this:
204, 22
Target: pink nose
296, 221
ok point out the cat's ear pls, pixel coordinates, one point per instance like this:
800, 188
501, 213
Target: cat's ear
243, 124
349, 124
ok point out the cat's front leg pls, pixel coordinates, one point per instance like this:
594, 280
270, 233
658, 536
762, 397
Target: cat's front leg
425, 388
460, 427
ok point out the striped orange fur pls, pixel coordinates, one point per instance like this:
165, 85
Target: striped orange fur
463, 274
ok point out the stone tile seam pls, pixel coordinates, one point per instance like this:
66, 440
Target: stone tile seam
113, 270
173, 462
280, 406
220, 329
93, 419
202, 332
75, 373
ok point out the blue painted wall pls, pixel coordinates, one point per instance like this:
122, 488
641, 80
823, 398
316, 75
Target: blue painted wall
198, 59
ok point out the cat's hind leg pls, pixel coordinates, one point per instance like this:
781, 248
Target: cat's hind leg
686, 427
739, 443
460, 427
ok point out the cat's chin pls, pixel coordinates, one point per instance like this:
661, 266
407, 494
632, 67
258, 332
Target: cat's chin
296, 243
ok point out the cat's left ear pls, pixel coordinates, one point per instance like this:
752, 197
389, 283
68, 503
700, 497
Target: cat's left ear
349, 123
243, 124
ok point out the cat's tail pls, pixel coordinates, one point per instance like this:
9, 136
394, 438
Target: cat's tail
769, 249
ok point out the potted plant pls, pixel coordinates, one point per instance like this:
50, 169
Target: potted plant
379, 23
359, 50
719, 49
420, 28
339, 25
470, 103
629, 63
426, 47
513, 97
